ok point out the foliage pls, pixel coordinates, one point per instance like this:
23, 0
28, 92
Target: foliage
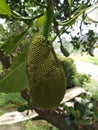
73, 78
92, 87
86, 43
6, 99
26, 18
81, 79
15, 78
84, 111
86, 58
43, 126
10, 102
25, 22
4, 9
70, 70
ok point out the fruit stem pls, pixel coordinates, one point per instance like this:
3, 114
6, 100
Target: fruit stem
48, 19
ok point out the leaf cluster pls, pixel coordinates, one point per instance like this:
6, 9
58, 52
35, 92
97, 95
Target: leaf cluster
84, 111
85, 43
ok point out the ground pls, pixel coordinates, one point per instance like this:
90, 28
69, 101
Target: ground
87, 68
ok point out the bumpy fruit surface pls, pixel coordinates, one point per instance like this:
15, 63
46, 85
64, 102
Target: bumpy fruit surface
45, 74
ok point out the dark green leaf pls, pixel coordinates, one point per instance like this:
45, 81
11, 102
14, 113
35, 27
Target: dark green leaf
84, 121
95, 116
15, 78
23, 108
81, 107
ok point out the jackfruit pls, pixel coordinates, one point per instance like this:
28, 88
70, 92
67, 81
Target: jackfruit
45, 74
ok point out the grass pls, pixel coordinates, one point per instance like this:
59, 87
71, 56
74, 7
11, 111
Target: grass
92, 87
39, 125
11, 102
86, 58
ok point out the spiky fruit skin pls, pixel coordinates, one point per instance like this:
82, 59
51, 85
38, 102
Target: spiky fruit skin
45, 74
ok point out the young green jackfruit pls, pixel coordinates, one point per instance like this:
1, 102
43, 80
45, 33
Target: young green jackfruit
45, 74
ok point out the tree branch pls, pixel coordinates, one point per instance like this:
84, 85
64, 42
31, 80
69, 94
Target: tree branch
56, 117
48, 19
53, 117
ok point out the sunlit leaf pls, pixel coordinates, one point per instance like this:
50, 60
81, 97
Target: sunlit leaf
40, 21
81, 109
15, 78
4, 9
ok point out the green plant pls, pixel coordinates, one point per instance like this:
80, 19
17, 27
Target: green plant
92, 87
83, 112
73, 77
80, 79
86, 58
39, 126
10, 102
69, 69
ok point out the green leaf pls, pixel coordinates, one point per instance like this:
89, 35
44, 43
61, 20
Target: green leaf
70, 21
70, 2
11, 44
23, 108
40, 21
84, 121
4, 9
83, 6
74, 17
15, 78
95, 116
81, 108
30, 126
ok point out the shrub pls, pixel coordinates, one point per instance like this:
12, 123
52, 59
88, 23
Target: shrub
69, 69
73, 78
81, 79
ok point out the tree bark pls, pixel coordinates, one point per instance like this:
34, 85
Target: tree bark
53, 117
58, 119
